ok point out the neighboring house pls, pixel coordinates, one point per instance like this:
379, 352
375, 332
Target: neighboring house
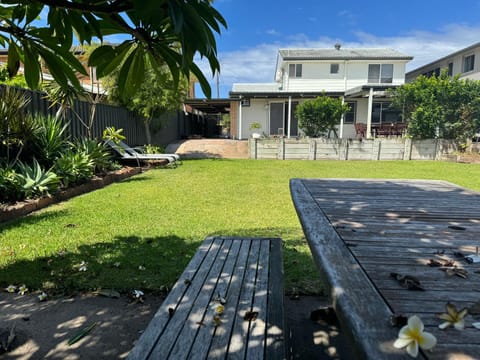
359, 76
464, 63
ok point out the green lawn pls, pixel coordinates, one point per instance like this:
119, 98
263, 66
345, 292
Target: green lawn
141, 233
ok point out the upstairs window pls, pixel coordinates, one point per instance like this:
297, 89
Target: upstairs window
468, 63
450, 69
334, 68
380, 73
295, 70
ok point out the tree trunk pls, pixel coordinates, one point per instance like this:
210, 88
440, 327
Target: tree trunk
148, 134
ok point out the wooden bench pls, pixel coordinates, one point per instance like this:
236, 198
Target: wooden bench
243, 274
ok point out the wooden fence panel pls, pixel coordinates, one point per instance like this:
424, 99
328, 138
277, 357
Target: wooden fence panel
350, 149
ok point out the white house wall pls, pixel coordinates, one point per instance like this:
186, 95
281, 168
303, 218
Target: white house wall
256, 112
457, 60
316, 76
259, 111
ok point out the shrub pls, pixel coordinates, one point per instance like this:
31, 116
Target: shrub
35, 181
153, 149
98, 153
320, 116
74, 167
10, 188
50, 138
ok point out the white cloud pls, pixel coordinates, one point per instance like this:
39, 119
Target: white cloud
257, 64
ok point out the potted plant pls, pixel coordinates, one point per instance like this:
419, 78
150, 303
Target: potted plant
255, 126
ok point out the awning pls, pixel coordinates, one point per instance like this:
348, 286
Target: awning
210, 106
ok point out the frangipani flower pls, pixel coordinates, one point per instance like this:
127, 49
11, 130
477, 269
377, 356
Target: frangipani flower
453, 317
11, 288
22, 289
43, 296
412, 336
82, 266
219, 309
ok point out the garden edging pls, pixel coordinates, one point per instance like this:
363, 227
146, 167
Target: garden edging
10, 212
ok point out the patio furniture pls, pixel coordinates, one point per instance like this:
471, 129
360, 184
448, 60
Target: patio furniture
360, 130
227, 304
367, 235
140, 151
129, 154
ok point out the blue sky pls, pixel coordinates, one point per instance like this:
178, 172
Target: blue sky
256, 30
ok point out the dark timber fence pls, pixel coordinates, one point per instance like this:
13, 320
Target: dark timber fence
105, 116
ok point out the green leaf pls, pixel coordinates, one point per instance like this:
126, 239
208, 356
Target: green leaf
31, 66
81, 334
13, 63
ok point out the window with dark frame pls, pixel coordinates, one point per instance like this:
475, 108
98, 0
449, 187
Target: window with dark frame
383, 113
295, 70
380, 73
468, 63
334, 68
450, 69
349, 117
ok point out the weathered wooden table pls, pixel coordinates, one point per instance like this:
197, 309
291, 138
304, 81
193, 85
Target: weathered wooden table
362, 231
245, 277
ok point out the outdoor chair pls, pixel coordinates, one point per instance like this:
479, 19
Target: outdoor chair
360, 129
140, 151
131, 154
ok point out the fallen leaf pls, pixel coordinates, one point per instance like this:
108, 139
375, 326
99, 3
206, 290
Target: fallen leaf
455, 227
474, 309
250, 316
398, 321
108, 293
407, 281
456, 271
81, 334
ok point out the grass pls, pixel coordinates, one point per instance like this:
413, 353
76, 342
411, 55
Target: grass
157, 220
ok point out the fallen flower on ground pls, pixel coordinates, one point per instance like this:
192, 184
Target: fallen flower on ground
43, 296
22, 290
412, 336
11, 288
453, 317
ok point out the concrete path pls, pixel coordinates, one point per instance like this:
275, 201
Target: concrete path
210, 148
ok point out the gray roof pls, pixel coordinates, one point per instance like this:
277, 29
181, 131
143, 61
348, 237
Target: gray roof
343, 54
255, 88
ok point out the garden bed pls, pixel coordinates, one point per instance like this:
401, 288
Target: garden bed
9, 212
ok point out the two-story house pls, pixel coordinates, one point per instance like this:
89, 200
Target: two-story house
359, 76
464, 63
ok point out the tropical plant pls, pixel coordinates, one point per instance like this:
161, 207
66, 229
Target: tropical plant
440, 106
16, 129
159, 93
50, 139
98, 153
112, 134
74, 167
320, 116
155, 28
10, 189
153, 149
35, 181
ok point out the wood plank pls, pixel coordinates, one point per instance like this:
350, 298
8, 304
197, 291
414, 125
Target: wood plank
181, 311
363, 307
397, 226
161, 318
275, 337
219, 345
258, 327
199, 310
237, 346
207, 331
